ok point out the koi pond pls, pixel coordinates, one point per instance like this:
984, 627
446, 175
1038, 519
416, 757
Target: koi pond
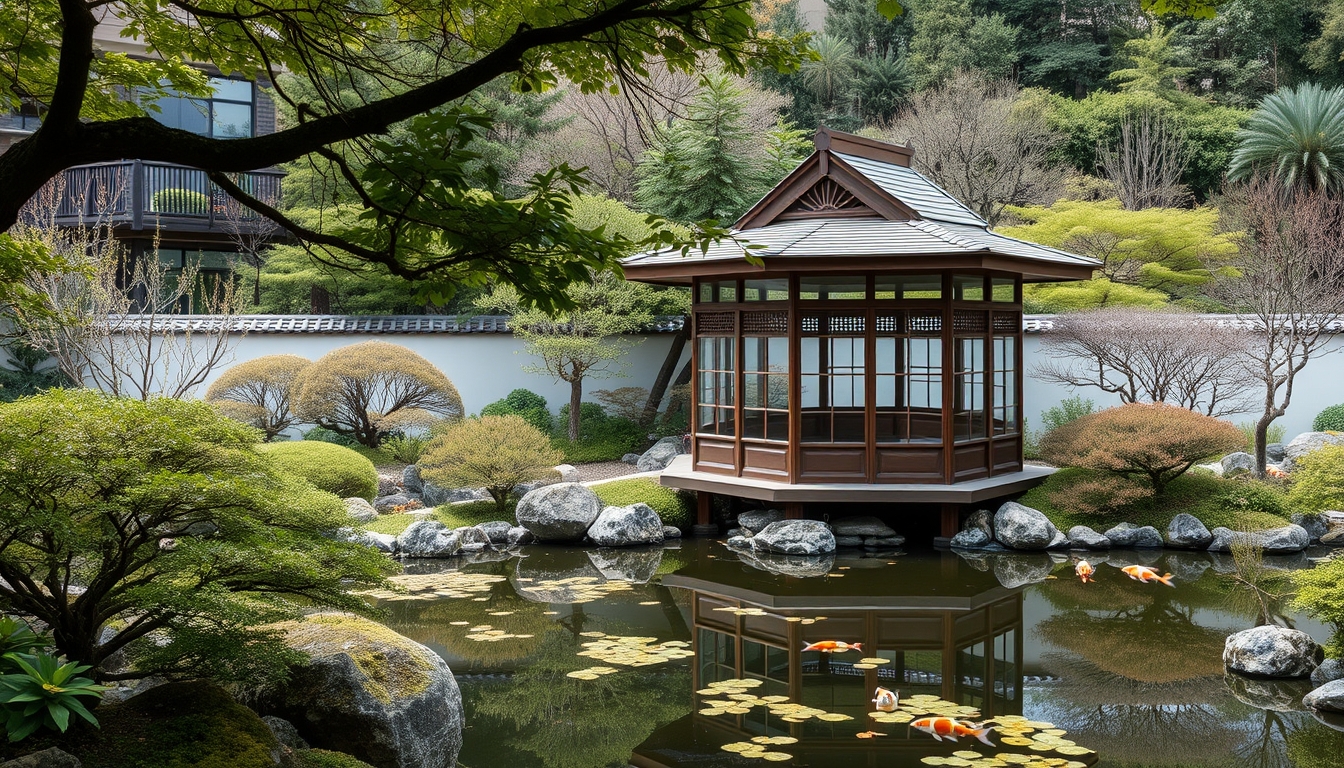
693, 655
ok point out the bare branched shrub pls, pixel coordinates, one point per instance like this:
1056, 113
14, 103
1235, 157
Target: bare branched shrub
259, 392
624, 402
973, 138
1149, 356
1287, 285
370, 389
1147, 163
1153, 443
498, 453
1098, 494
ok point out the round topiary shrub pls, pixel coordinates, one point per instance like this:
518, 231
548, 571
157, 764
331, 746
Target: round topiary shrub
332, 468
1329, 420
497, 453
259, 392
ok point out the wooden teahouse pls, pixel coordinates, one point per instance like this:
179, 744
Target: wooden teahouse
873, 351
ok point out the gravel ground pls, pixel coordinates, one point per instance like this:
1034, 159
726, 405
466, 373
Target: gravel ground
604, 470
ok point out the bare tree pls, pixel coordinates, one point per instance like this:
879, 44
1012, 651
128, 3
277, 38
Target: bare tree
118, 323
1148, 356
1147, 163
251, 234
972, 139
1288, 285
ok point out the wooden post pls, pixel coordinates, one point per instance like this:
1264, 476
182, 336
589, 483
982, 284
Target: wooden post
951, 520
793, 510
704, 515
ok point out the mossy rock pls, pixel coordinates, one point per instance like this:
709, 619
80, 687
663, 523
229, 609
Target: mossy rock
178, 725
369, 692
674, 507
332, 468
322, 758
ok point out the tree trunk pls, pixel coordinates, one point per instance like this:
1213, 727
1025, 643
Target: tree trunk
659, 388
1261, 438
676, 403
575, 401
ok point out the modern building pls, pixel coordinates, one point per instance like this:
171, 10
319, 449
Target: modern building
170, 209
858, 340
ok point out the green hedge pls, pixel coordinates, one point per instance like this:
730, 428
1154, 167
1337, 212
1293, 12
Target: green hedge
332, 468
673, 506
1329, 420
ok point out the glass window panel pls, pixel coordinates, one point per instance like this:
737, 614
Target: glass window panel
728, 290
833, 288
706, 292
968, 288
1003, 289
725, 388
776, 289
811, 391
778, 353
231, 90
849, 427
191, 115
706, 420
816, 427
726, 350
753, 394
908, 287
170, 257
232, 121
777, 392
777, 425
213, 259
753, 354
888, 360
810, 348
753, 424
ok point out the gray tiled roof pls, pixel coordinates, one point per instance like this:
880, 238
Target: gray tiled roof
350, 324
909, 186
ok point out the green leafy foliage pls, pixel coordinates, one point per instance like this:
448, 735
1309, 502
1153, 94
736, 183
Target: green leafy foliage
1318, 480
1251, 496
38, 691
323, 435
28, 373
452, 515
525, 403
405, 449
1320, 593
327, 466
259, 392
602, 437
196, 536
180, 201
497, 453
1274, 434
1330, 419
1297, 135
674, 507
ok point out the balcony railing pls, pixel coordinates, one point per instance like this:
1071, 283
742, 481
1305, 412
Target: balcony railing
147, 195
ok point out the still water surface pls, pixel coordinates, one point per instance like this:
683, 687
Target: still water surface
1132, 671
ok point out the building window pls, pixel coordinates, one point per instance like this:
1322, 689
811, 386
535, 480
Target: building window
968, 288
909, 379
908, 287
1005, 385
227, 114
833, 378
720, 291
833, 288
213, 270
968, 412
716, 385
776, 289
1003, 289
765, 388
25, 117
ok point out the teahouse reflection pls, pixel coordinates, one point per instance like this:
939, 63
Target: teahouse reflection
937, 626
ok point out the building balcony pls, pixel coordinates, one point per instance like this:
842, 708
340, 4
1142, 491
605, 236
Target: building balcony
137, 196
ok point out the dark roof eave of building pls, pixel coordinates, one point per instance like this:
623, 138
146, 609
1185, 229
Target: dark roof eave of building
1031, 270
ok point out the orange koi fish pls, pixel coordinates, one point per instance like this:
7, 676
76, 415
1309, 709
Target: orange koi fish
1145, 574
1084, 570
833, 646
946, 728
1275, 472
886, 701
868, 734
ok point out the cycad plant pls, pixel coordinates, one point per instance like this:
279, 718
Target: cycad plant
41, 691
1297, 135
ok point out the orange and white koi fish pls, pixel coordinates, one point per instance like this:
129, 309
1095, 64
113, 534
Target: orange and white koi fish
946, 728
1145, 574
1275, 472
885, 700
868, 734
833, 646
1084, 570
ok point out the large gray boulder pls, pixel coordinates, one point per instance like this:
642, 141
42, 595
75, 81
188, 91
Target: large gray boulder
360, 510
1083, 537
497, 531
518, 536
982, 519
428, 538
1060, 541
47, 758
472, 538
435, 496
368, 692
560, 512
1275, 541
1272, 651
1239, 463
1316, 525
388, 504
795, 537
1327, 698
1276, 452
1306, 443
1185, 531
568, 473
626, 526
285, 732
1019, 527
849, 541
1330, 669
410, 479
660, 455
971, 538
861, 526
1130, 536
755, 520
382, 542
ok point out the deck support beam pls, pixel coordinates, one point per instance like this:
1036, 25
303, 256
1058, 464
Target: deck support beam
951, 520
793, 510
704, 515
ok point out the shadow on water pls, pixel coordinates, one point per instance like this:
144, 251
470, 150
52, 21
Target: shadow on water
1130, 670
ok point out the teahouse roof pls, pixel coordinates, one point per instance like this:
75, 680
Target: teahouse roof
856, 203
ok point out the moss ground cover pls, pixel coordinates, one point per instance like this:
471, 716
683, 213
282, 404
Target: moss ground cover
674, 507
1214, 500
451, 515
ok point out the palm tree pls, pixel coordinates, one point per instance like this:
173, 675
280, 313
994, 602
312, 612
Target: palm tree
1297, 135
829, 74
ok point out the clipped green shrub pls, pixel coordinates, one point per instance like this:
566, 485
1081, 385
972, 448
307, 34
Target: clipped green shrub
1328, 420
331, 468
1320, 593
497, 453
525, 403
180, 201
1253, 496
322, 758
1054, 417
324, 435
1318, 480
673, 506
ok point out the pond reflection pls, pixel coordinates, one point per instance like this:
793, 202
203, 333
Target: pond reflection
1133, 671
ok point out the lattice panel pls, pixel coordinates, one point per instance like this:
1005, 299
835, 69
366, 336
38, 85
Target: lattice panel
1007, 323
838, 324
765, 322
715, 323
890, 323
811, 324
825, 196
926, 322
969, 322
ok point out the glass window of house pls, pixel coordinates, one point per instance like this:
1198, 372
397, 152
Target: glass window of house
908, 287
226, 114
774, 289
1003, 289
833, 288
968, 288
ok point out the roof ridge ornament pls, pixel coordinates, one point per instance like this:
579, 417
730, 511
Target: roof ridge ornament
827, 140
